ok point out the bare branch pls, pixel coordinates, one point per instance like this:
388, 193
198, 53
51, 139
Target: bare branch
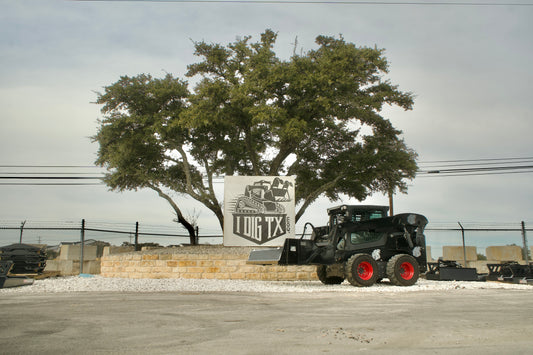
315, 194
179, 214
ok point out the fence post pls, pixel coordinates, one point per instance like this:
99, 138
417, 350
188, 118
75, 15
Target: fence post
21, 230
197, 235
464, 245
136, 236
82, 243
524, 241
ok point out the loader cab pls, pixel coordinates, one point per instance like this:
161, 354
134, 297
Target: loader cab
355, 214
352, 237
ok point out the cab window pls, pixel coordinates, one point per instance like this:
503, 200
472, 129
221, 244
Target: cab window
357, 217
364, 237
375, 215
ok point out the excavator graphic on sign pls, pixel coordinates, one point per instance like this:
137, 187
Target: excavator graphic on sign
264, 197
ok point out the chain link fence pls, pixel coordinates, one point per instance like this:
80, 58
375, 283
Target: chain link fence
55, 233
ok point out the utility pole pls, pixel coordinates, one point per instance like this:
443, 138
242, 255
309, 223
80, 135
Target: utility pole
391, 207
21, 230
82, 244
524, 241
464, 245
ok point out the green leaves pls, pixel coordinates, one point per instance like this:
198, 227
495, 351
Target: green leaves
252, 113
138, 128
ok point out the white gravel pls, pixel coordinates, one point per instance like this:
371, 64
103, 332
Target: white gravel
97, 283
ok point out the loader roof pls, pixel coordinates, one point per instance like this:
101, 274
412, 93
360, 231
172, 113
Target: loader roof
356, 208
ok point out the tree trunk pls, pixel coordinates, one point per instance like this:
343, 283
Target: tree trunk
189, 227
181, 219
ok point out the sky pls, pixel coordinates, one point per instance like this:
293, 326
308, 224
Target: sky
469, 68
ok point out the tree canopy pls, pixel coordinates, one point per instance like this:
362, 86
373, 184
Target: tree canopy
316, 116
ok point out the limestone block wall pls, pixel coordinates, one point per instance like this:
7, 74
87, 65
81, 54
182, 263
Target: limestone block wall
217, 262
68, 261
72, 267
73, 252
456, 253
504, 253
495, 255
199, 262
109, 250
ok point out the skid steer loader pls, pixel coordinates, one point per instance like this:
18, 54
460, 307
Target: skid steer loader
361, 244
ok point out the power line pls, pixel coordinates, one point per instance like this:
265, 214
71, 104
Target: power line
47, 184
330, 2
49, 175
50, 166
36, 173
475, 174
473, 161
477, 169
50, 178
476, 160
473, 164
450, 168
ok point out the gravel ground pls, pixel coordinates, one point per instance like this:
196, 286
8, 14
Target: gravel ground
97, 315
97, 283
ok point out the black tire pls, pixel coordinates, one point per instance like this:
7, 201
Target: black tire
403, 270
361, 270
321, 271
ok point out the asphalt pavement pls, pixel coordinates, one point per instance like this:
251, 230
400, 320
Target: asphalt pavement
427, 322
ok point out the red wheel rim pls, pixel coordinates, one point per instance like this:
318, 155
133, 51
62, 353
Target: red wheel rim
365, 270
407, 271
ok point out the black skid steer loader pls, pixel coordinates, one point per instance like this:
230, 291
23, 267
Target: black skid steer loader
361, 244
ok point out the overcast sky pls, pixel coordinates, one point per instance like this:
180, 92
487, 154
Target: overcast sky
469, 67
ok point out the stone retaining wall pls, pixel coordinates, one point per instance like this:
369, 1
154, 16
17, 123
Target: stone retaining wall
217, 262
206, 263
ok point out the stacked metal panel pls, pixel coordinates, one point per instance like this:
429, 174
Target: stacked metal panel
27, 259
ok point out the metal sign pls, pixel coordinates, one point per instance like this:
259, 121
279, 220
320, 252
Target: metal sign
258, 210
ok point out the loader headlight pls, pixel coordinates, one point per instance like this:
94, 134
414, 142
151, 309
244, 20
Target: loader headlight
417, 252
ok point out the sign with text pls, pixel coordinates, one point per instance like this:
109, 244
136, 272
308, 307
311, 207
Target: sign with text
258, 210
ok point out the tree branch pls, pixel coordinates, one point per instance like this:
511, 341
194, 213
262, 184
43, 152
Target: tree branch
284, 151
315, 194
181, 219
188, 177
251, 151
209, 174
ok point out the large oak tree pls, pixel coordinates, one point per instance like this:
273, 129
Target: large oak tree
316, 115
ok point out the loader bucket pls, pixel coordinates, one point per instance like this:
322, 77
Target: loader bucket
293, 252
270, 256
